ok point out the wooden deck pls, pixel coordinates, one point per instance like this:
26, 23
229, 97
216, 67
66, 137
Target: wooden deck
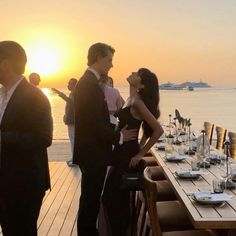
60, 205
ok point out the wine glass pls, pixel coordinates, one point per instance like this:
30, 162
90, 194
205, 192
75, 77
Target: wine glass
203, 149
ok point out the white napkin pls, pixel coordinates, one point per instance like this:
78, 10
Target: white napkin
188, 172
215, 197
177, 157
160, 145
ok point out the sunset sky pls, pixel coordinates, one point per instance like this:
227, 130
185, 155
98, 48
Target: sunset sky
178, 39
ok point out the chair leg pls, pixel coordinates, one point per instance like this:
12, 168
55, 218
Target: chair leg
133, 214
146, 227
141, 219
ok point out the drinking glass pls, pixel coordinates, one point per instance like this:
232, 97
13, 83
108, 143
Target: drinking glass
169, 148
218, 185
222, 169
233, 171
195, 164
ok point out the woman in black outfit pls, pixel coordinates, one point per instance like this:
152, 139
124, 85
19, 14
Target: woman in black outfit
140, 108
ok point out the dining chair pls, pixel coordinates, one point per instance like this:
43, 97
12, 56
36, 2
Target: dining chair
157, 174
220, 137
209, 127
167, 218
165, 193
148, 231
139, 208
170, 215
232, 148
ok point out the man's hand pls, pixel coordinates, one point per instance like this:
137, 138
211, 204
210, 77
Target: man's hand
129, 134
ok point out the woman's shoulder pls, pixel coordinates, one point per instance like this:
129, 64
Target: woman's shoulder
137, 102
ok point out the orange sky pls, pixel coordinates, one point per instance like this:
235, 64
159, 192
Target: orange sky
178, 39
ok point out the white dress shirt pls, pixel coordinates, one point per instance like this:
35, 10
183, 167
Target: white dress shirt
5, 96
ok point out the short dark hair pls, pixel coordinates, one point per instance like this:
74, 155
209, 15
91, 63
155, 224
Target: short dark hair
73, 80
98, 49
14, 52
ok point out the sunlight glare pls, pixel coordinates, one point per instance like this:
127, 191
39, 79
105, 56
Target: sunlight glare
44, 59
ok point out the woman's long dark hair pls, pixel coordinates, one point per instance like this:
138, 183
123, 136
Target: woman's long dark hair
150, 96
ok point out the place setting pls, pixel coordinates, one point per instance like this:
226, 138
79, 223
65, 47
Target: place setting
215, 197
188, 174
174, 153
209, 198
193, 173
160, 146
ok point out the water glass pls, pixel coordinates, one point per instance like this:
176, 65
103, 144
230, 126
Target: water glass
181, 149
218, 185
233, 171
195, 165
169, 148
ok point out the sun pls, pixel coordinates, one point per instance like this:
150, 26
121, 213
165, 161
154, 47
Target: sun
44, 59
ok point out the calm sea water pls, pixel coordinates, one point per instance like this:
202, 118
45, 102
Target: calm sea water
214, 105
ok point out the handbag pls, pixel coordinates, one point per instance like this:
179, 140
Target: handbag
132, 182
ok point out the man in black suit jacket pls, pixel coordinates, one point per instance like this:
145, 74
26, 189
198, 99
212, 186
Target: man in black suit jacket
93, 136
25, 134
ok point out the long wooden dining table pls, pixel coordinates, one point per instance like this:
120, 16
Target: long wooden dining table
202, 216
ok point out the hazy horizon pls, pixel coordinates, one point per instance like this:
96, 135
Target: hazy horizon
179, 40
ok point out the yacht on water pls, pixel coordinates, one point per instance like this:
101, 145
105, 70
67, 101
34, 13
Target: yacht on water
170, 86
186, 85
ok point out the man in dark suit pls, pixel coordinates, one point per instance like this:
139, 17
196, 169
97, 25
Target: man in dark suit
25, 134
93, 136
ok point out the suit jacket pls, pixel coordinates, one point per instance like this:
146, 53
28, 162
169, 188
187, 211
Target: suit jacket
93, 134
26, 132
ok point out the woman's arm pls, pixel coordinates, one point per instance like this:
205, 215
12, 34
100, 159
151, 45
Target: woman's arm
147, 116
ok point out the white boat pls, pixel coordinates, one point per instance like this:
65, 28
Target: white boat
170, 86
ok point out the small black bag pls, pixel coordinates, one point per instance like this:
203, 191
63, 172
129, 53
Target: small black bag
132, 182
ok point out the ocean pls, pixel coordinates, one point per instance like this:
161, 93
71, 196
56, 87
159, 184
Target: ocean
216, 105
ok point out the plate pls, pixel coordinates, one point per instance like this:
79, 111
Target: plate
188, 174
160, 146
208, 198
161, 140
175, 157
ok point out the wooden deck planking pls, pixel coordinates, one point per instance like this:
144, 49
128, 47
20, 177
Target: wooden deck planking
60, 205
53, 208
66, 198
